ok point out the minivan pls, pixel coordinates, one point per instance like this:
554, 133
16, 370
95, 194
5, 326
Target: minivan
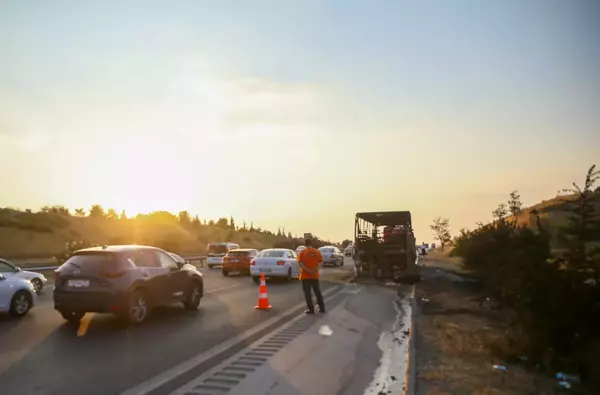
216, 251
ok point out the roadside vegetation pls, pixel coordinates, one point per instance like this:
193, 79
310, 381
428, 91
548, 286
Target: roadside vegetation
55, 231
540, 268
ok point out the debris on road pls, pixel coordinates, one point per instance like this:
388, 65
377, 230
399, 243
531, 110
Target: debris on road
325, 330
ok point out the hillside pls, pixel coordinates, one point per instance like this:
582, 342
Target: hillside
25, 234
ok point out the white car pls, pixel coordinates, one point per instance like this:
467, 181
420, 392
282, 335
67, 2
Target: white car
11, 271
300, 248
275, 262
349, 251
17, 296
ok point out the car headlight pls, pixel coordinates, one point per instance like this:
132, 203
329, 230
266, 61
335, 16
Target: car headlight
31, 287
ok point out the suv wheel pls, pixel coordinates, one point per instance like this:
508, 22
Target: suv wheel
225, 272
20, 304
256, 280
192, 300
210, 266
137, 309
72, 317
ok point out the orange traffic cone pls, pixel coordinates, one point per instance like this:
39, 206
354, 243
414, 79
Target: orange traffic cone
263, 300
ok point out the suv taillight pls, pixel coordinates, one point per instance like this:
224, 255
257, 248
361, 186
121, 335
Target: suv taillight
113, 274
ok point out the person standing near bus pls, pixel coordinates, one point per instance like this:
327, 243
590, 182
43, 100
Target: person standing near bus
310, 260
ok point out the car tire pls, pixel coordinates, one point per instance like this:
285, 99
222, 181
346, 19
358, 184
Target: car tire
137, 309
256, 280
210, 266
38, 286
289, 275
71, 316
225, 273
20, 304
194, 295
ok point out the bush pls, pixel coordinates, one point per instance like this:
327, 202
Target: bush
555, 301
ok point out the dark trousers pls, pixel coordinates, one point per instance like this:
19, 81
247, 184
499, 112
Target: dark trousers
312, 284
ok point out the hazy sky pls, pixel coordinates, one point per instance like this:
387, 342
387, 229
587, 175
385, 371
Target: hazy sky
297, 113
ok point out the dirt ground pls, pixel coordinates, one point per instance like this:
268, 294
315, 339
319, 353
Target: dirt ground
457, 333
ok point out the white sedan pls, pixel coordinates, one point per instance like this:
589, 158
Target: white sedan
275, 262
17, 296
11, 271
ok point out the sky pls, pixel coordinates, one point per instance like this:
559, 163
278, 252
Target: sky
297, 114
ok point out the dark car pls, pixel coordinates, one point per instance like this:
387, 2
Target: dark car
124, 280
238, 260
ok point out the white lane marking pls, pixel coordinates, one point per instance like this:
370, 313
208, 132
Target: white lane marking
221, 288
170, 374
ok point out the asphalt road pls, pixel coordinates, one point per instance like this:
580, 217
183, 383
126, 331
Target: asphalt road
41, 354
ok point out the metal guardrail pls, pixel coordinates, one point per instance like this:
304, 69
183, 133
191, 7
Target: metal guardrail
190, 258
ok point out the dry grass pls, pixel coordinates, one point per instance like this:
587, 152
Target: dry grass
456, 337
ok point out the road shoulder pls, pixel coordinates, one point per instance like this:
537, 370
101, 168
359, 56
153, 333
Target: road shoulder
459, 338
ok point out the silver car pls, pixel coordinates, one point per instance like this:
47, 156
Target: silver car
331, 256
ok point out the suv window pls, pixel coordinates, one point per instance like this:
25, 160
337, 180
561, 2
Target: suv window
165, 260
143, 258
92, 261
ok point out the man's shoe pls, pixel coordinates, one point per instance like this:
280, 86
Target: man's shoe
309, 311
322, 311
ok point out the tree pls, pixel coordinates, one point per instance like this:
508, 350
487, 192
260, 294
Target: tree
223, 223
123, 216
79, 212
211, 223
346, 243
231, 223
244, 225
441, 230
289, 235
96, 211
251, 226
196, 224
500, 212
583, 227
278, 231
184, 219
515, 206
112, 214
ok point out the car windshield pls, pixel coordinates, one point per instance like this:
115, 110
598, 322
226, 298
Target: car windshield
271, 254
217, 249
176, 257
324, 249
238, 253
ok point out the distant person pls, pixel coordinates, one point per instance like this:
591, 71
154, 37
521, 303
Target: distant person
310, 260
423, 249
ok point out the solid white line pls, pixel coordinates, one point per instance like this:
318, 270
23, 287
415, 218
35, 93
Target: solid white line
170, 374
221, 288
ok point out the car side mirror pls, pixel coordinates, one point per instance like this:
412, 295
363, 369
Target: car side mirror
2, 277
18, 268
179, 265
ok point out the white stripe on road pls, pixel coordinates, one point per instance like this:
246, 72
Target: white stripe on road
168, 375
221, 288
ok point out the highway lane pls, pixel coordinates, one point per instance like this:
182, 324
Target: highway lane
41, 354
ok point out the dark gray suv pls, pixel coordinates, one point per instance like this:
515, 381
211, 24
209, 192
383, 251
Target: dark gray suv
124, 280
